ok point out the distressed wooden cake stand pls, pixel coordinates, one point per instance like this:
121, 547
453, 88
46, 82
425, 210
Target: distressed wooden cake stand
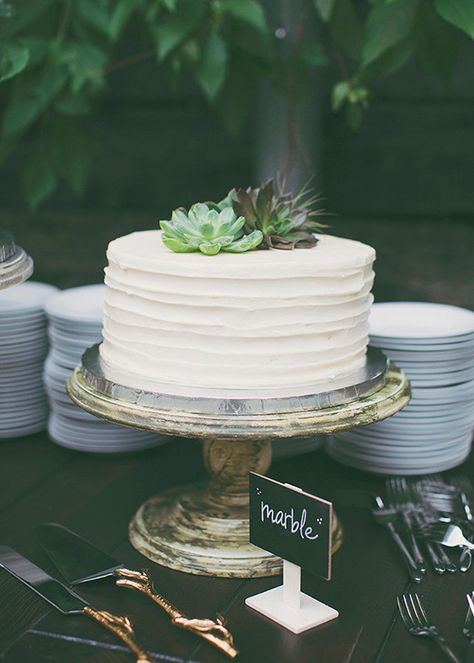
15, 264
203, 528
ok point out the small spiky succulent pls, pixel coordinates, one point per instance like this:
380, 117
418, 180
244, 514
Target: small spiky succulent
286, 221
208, 228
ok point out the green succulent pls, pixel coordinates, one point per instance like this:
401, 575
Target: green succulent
208, 228
286, 221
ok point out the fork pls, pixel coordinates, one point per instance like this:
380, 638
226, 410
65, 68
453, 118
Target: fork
468, 628
447, 534
399, 498
417, 623
427, 513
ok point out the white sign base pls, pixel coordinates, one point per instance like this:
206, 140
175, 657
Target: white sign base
288, 606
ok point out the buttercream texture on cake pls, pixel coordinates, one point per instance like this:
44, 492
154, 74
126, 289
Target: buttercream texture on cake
258, 324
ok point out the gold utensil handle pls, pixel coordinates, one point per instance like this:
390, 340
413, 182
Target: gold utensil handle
122, 628
214, 631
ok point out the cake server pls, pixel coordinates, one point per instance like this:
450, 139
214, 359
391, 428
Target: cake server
79, 561
67, 601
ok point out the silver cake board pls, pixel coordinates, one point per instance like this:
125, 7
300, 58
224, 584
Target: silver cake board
363, 382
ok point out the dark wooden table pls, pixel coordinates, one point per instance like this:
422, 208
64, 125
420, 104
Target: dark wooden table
96, 496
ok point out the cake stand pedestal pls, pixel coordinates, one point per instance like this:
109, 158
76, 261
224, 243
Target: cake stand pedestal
15, 264
203, 528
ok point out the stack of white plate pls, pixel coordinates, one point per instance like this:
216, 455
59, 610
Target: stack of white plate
434, 345
23, 347
75, 323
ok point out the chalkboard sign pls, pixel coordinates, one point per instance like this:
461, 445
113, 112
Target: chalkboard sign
291, 524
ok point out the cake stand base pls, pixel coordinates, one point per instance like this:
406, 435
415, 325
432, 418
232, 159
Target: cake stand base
184, 530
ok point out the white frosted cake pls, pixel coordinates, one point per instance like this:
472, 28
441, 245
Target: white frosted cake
258, 324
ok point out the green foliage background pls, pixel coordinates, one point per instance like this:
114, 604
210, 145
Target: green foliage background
56, 55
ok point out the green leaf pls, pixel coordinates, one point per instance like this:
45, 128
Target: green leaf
13, 59
438, 42
95, 13
210, 248
245, 243
459, 13
392, 59
39, 180
387, 25
120, 15
324, 8
249, 11
173, 30
72, 153
38, 49
339, 94
31, 98
85, 63
212, 69
346, 28
176, 245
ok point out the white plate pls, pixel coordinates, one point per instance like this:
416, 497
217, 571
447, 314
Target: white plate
14, 336
415, 463
432, 356
466, 389
20, 320
400, 468
443, 380
21, 431
78, 341
420, 344
24, 400
20, 359
433, 425
420, 320
429, 439
57, 358
20, 422
68, 329
465, 348
434, 368
26, 297
83, 304
379, 452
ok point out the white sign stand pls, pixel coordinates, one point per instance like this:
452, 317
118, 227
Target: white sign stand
287, 605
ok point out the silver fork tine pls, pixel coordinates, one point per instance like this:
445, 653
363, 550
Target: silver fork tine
418, 623
420, 615
470, 600
403, 505
403, 610
423, 613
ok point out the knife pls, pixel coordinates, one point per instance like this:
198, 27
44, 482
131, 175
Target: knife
79, 561
67, 601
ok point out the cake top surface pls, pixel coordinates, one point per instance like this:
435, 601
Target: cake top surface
145, 251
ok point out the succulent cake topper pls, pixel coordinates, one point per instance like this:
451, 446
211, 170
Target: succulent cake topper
272, 218
208, 228
287, 221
